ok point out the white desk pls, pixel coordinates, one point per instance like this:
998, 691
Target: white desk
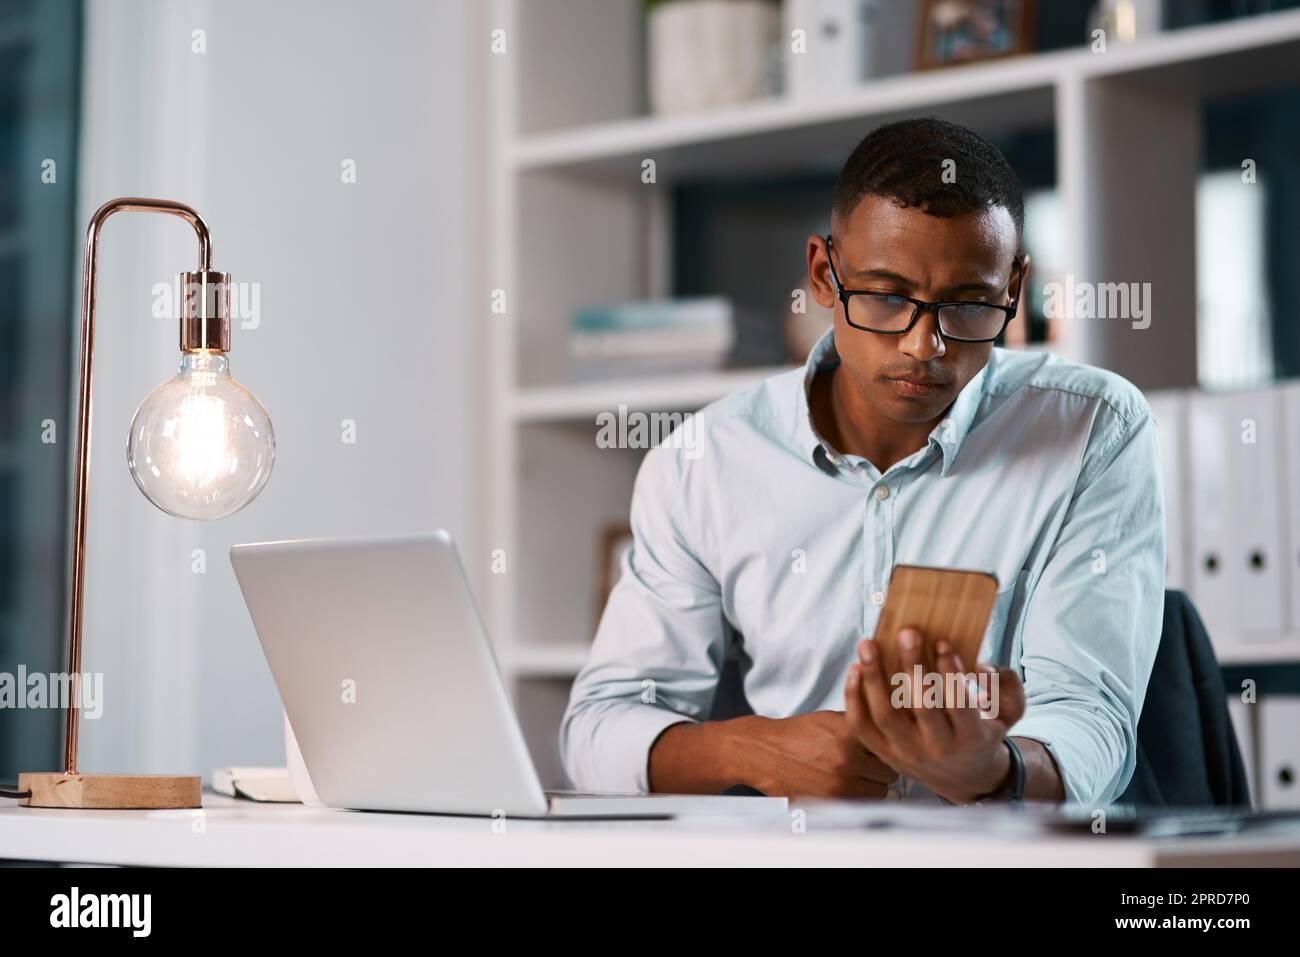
228, 832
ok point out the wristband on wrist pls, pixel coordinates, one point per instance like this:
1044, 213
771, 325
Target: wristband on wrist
1013, 789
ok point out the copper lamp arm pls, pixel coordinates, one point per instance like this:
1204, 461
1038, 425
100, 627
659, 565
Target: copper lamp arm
82, 460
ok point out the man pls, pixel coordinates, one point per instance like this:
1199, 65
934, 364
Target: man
907, 439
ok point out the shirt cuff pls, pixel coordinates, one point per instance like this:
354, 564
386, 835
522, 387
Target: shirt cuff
1084, 773
624, 751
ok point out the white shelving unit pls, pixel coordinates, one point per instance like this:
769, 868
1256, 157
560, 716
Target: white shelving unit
583, 401
572, 224
1265, 653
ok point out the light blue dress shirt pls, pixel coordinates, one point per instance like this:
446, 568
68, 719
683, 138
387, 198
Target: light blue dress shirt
763, 541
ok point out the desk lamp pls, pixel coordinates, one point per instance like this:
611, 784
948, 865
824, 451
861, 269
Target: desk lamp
200, 447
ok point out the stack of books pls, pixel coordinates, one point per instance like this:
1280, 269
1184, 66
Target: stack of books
641, 338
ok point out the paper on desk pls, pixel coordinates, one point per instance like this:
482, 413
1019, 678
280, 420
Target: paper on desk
267, 785
924, 816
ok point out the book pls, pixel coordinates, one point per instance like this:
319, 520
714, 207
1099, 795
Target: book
659, 336
654, 314
266, 785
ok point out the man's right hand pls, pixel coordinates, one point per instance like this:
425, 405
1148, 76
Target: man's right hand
808, 755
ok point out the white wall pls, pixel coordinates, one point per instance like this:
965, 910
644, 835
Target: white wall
368, 296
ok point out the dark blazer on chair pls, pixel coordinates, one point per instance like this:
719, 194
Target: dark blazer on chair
1187, 753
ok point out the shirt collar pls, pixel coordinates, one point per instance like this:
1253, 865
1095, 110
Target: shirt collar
948, 435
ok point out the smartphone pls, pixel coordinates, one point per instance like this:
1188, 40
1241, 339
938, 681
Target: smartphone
943, 604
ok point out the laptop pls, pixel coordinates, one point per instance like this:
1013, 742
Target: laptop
393, 691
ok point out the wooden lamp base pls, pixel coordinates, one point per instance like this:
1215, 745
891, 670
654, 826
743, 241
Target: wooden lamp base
110, 791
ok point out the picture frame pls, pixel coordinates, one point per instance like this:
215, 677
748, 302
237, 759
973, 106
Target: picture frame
951, 32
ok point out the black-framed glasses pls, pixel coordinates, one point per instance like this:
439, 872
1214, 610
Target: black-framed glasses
889, 314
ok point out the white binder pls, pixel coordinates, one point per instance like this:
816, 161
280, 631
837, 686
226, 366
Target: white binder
1170, 411
1236, 461
1279, 750
1290, 394
1243, 725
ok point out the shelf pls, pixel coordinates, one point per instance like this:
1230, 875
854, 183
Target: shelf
1212, 60
584, 400
540, 661
796, 134
783, 134
1282, 651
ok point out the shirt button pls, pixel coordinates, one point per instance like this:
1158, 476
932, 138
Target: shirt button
877, 598
882, 492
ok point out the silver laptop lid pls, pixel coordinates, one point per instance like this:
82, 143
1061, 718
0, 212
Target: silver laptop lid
387, 675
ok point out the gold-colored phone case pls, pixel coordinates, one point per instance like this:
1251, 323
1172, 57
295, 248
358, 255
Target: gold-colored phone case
942, 604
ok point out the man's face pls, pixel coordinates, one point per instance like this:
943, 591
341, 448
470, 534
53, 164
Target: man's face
883, 247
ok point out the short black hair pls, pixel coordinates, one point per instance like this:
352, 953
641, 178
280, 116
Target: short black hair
905, 162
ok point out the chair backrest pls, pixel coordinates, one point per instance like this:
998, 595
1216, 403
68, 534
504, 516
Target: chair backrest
1187, 753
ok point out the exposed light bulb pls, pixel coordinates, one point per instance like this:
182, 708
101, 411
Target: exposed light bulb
201, 445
